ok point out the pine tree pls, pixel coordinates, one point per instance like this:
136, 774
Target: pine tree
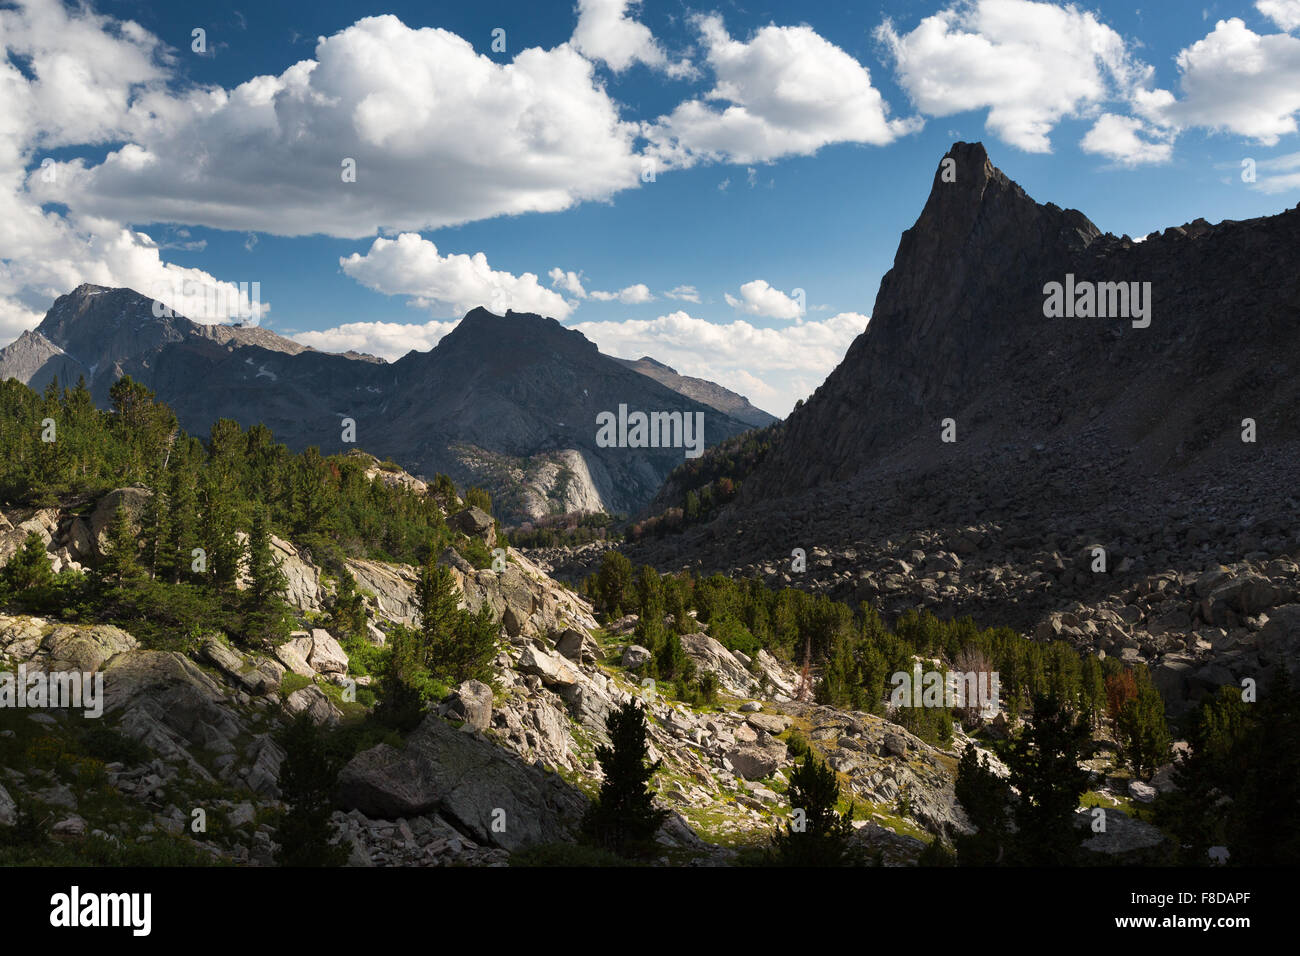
613, 582
402, 682
27, 578
986, 799
623, 818
1262, 827
307, 778
817, 834
672, 662
1044, 762
1143, 729
348, 610
120, 564
265, 611
649, 632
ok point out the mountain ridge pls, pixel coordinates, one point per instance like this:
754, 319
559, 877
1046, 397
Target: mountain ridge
506, 402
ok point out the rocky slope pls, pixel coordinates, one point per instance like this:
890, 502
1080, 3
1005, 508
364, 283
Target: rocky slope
702, 390
504, 402
486, 775
1070, 434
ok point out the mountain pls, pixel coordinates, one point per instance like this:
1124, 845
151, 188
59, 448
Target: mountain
1068, 432
509, 403
702, 390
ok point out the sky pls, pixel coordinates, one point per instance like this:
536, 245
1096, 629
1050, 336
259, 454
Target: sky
720, 186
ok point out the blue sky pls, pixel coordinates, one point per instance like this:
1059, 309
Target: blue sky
790, 143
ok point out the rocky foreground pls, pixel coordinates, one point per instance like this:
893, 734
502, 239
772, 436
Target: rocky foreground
486, 774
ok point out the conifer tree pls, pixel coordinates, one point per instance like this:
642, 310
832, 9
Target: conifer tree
265, 611
307, 778
817, 834
986, 799
1044, 762
348, 610
27, 578
623, 817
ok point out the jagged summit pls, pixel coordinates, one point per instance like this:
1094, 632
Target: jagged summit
1062, 419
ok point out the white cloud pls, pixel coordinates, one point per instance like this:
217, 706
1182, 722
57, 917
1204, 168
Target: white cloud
83, 80
632, 295
570, 282
1278, 175
411, 265
786, 91
759, 298
686, 293
1285, 13
1128, 141
440, 135
606, 32
390, 340
1029, 64
1233, 80
773, 367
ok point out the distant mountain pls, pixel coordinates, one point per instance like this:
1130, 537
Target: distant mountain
509, 402
702, 390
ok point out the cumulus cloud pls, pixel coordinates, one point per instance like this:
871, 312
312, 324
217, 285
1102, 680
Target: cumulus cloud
605, 32
759, 298
632, 295
389, 340
83, 81
1278, 175
1029, 64
685, 293
1233, 80
439, 134
786, 91
773, 367
570, 282
412, 266
1128, 141
1285, 13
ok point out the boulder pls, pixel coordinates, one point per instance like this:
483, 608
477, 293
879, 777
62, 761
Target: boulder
133, 499
312, 701
72, 647
470, 781
393, 587
1141, 792
769, 723
551, 668
472, 703
755, 761
327, 655
709, 655
474, 522
635, 657
290, 655
578, 647
894, 745
302, 577
8, 809
237, 669
174, 693
381, 782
